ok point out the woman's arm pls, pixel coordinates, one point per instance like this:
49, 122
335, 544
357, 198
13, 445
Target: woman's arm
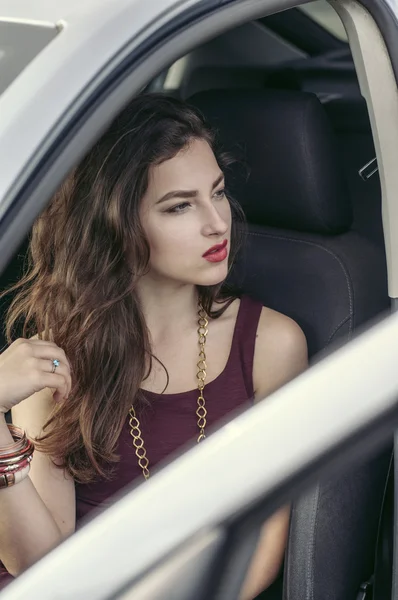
280, 355
37, 513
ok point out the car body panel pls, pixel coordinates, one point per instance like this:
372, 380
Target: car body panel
88, 42
142, 528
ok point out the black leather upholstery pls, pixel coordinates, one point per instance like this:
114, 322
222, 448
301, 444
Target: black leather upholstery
333, 535
331, 280
294, 162
383, 576
317, 281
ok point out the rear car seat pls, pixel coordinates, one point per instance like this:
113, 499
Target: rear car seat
303, 258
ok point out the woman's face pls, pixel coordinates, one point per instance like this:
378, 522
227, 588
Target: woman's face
187, 218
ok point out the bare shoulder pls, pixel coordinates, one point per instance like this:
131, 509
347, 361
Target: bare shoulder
280, 332
280, 352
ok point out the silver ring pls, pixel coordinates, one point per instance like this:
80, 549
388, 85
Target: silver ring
55, 364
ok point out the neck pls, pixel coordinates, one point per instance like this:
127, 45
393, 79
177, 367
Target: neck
167, 306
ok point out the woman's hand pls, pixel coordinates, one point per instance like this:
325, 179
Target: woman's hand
26, 367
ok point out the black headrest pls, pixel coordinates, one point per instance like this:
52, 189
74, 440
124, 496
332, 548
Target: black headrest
296, 180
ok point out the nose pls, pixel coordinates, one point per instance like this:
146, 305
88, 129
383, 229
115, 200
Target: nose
214, 223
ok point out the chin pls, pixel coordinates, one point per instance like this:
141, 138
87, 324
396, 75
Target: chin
214, 275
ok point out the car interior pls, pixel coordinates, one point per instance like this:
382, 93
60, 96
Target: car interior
284, 96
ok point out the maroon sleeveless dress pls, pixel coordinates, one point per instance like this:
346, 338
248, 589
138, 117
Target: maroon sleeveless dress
169, 421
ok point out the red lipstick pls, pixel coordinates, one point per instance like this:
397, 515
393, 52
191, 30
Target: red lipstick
217, 253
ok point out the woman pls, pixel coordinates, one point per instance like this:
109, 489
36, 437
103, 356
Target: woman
124, 311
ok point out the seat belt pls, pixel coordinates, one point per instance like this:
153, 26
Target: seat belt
383, 573
394, 591
385, 579
379, 586
394, 594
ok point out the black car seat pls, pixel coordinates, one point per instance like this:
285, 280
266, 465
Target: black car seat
335, 74
303, 258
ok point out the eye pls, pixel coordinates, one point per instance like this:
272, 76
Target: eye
220, 194
178, 208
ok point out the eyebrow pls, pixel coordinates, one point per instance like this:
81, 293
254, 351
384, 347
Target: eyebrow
188, 193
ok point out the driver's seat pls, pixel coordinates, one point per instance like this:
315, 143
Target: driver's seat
303, 259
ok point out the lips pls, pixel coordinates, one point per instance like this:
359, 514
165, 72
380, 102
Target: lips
217, 253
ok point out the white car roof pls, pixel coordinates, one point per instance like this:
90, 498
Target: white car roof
90, 35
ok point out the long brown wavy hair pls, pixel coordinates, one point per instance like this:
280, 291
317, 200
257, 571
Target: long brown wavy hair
87, 253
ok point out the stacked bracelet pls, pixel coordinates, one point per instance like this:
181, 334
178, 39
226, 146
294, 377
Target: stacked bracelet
15, 458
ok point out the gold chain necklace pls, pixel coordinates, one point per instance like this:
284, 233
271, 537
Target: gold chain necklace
201, 412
